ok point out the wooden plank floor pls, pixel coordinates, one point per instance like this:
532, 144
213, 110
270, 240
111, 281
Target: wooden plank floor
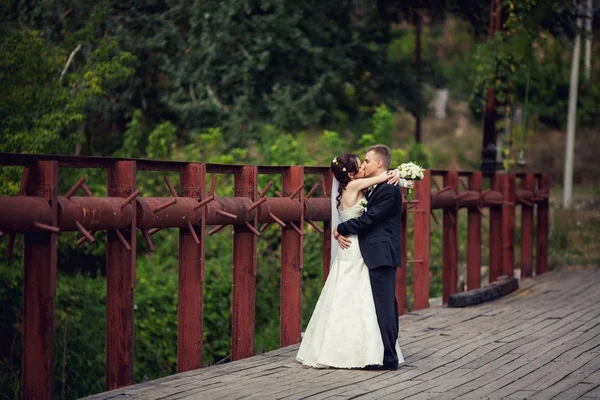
541, 342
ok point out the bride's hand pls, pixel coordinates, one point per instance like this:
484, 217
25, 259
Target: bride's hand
343, 241
393, 177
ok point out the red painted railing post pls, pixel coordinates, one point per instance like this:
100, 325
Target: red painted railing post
40, 257
450, 241
527, 230
508, 224
244, 271
541, 254
495, 233
291, 264
192, 179
474, 236
421, 242
120, 283
401, 297
327, 181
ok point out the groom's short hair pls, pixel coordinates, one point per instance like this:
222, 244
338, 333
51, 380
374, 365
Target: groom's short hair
383, 153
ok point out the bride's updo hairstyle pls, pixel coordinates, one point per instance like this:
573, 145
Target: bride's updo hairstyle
343, 167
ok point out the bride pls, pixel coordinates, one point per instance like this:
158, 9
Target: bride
343, 330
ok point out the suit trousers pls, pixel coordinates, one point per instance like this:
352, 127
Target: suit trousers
383, 285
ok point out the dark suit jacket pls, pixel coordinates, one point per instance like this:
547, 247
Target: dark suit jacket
378, 229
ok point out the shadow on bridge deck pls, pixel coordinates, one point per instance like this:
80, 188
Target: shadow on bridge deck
539, 342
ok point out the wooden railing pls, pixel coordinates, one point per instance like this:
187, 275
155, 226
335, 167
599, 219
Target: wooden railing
40, 213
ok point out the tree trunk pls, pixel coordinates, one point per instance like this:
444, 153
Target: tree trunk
490, 136
418, 22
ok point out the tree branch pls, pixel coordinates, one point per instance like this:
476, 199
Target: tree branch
214, 99
193, 94
64, 71
244, 51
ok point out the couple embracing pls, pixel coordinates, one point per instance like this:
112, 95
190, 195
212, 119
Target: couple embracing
355, 321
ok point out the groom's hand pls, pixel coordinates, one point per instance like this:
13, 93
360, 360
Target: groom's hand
343, 241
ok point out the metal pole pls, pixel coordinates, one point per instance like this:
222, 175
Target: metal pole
120, 283
474, 236
589, 13
39, 290
421, 242
495, 233
450, 242
527, 230
508, 224
244, 272
191, 274
291, 264
572, 118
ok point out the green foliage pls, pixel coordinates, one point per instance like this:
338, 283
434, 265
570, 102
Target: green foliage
457, 68
383, 124
275, 83
418, 154
161, 142
80, 308
279, 148
549, 87
382, 128
502, 57
134, 136
36, 113
330, 143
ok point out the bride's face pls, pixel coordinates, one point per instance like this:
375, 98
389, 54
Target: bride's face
361, 172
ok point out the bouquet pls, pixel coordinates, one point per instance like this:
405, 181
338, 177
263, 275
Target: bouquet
411, 171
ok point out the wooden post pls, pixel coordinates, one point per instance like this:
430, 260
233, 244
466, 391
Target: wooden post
450, 241
39, 290
244, 271
192, 178
327, 239
401, 299
527, 230
120, 283
508, 224
541, 254
495, 234
474, 237
291, 264
421, 242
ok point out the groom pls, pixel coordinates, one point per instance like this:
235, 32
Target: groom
378, 230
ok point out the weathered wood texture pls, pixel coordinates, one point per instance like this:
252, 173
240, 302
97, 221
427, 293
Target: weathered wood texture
542, 341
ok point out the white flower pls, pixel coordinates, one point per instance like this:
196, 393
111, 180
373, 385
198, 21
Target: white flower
363, 204
334, 160
411, 171
344, 169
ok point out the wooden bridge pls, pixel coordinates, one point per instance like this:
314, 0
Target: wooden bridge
541, 342
40, 212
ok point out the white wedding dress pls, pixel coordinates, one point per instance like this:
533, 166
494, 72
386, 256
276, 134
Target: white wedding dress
343, 330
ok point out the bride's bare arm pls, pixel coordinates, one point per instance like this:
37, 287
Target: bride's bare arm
360, 184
